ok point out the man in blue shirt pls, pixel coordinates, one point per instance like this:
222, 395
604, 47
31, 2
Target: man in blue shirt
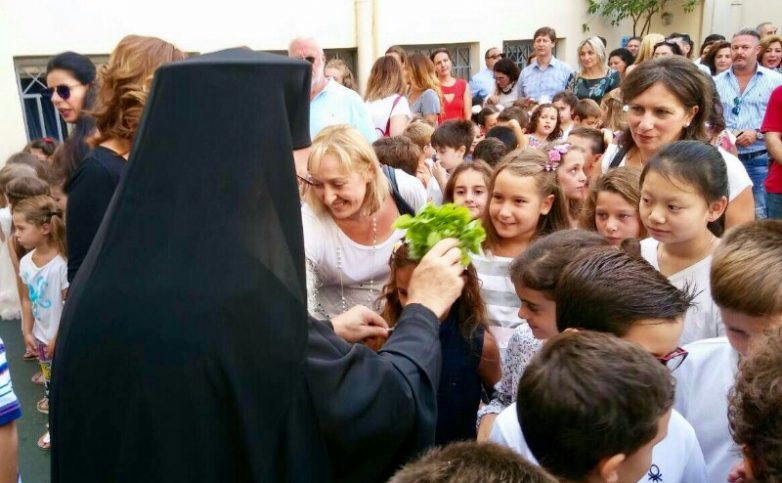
482, 83
546, 75
744, 90
330, 102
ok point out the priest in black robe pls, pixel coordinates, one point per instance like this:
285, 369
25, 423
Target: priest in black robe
185, 352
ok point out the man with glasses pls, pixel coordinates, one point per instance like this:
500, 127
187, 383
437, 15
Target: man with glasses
744, 90
330, 102
482, 83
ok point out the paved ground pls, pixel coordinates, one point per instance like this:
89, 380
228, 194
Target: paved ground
33, 462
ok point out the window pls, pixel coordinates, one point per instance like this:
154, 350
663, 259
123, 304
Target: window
460, 56
519, 51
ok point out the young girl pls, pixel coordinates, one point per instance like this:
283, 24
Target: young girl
486, 119
684, 193
469, 187
526, 202
10, 308
569, 162
40, 228
612, 206
470, 359
543, 126
534, 274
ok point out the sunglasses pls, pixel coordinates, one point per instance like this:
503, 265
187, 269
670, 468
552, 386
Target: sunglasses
737, 106
496, 56
674, 359
62, 90
309, 59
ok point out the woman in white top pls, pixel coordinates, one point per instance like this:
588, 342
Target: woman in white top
506, 75
669, 100
348, 219
387, 105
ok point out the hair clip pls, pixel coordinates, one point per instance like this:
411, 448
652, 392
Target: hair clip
47, 140
625, 108
555, 156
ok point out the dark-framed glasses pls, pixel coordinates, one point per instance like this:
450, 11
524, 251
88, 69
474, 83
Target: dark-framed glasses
674, 359
309, 59
62, 90
737, 106
496, 56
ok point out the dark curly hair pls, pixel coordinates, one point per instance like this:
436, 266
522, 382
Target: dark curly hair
533, 122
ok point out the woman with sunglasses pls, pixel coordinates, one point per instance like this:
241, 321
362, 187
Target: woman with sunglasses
124, 84
667, 100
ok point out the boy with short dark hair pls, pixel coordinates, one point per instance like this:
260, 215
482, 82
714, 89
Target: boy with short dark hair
746, 284
468, 462
592, 407
504, 134
452, 141
491, 151
587, 114
592, 142
398, 152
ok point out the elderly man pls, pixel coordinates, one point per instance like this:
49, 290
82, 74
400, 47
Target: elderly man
546, 75
744, 90
482, 83
330, 102
766, 28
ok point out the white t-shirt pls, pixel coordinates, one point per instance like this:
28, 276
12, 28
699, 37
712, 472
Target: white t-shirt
382, 109
502, 303
44, 286
703, 320
738, 179
342, 266
677, 458
703, 382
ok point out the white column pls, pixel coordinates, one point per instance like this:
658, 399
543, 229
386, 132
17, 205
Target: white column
366, 39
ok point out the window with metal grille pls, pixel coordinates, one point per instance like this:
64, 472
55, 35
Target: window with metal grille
519, 51
460, 56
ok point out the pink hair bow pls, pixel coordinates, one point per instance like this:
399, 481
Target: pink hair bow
555, 156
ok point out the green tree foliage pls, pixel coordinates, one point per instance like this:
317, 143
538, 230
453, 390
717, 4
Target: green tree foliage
639, 11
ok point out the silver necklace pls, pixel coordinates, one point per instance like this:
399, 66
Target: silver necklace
371, 292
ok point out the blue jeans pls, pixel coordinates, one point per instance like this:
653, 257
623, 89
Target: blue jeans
757, 169
774, 205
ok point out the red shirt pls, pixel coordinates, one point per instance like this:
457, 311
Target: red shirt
772, 122
453, 109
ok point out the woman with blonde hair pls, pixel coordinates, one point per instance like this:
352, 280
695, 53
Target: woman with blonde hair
124, 83
348, 220
425, 94
646, 50
595, 78
338, 70
385, 99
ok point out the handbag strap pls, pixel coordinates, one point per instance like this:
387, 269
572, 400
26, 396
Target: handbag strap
387, 132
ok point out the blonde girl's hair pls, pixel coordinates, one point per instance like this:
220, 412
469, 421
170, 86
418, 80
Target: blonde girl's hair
614, 115
598, 48
347, 75
124, 84
41, 210
385, 79
422, 76
354, 155
646, 50
623, 181
530, 163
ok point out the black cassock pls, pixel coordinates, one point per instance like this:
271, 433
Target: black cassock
184, 352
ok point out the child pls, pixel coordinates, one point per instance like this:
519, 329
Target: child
398, 152
609, 435
452, 142
41, 148
469, 187
9, 296
614, 117
593, 144
684, 193
649, 315
470, 359
490, 151
471, 462
611, 208
565, 102
420, 133
534, 274
486, 118
568, 163
543, 126
39, 227
755, 415
587, 114
746, 285
505, 134
525, 203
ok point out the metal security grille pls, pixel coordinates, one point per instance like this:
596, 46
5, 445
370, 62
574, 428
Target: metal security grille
519, 51
460, 56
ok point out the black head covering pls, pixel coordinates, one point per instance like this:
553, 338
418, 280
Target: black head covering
184, 333
79, 65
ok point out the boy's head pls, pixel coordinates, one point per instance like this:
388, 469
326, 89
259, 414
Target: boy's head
607, 290
398, 152
746, 280
504, 134
591, 141
756, 408
452, 142
565, 102
587, 114
592, 406
490, 151
513, 113
420, 132
468, 462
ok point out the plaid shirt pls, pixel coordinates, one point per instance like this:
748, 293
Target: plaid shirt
535, 82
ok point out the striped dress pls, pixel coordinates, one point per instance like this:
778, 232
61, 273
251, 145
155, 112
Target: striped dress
9, 404
502, 303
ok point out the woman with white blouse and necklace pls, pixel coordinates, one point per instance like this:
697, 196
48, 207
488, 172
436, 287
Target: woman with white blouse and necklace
348, 217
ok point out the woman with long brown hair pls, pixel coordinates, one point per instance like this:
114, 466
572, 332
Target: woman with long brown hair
425, 95
124, 84
385, 99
